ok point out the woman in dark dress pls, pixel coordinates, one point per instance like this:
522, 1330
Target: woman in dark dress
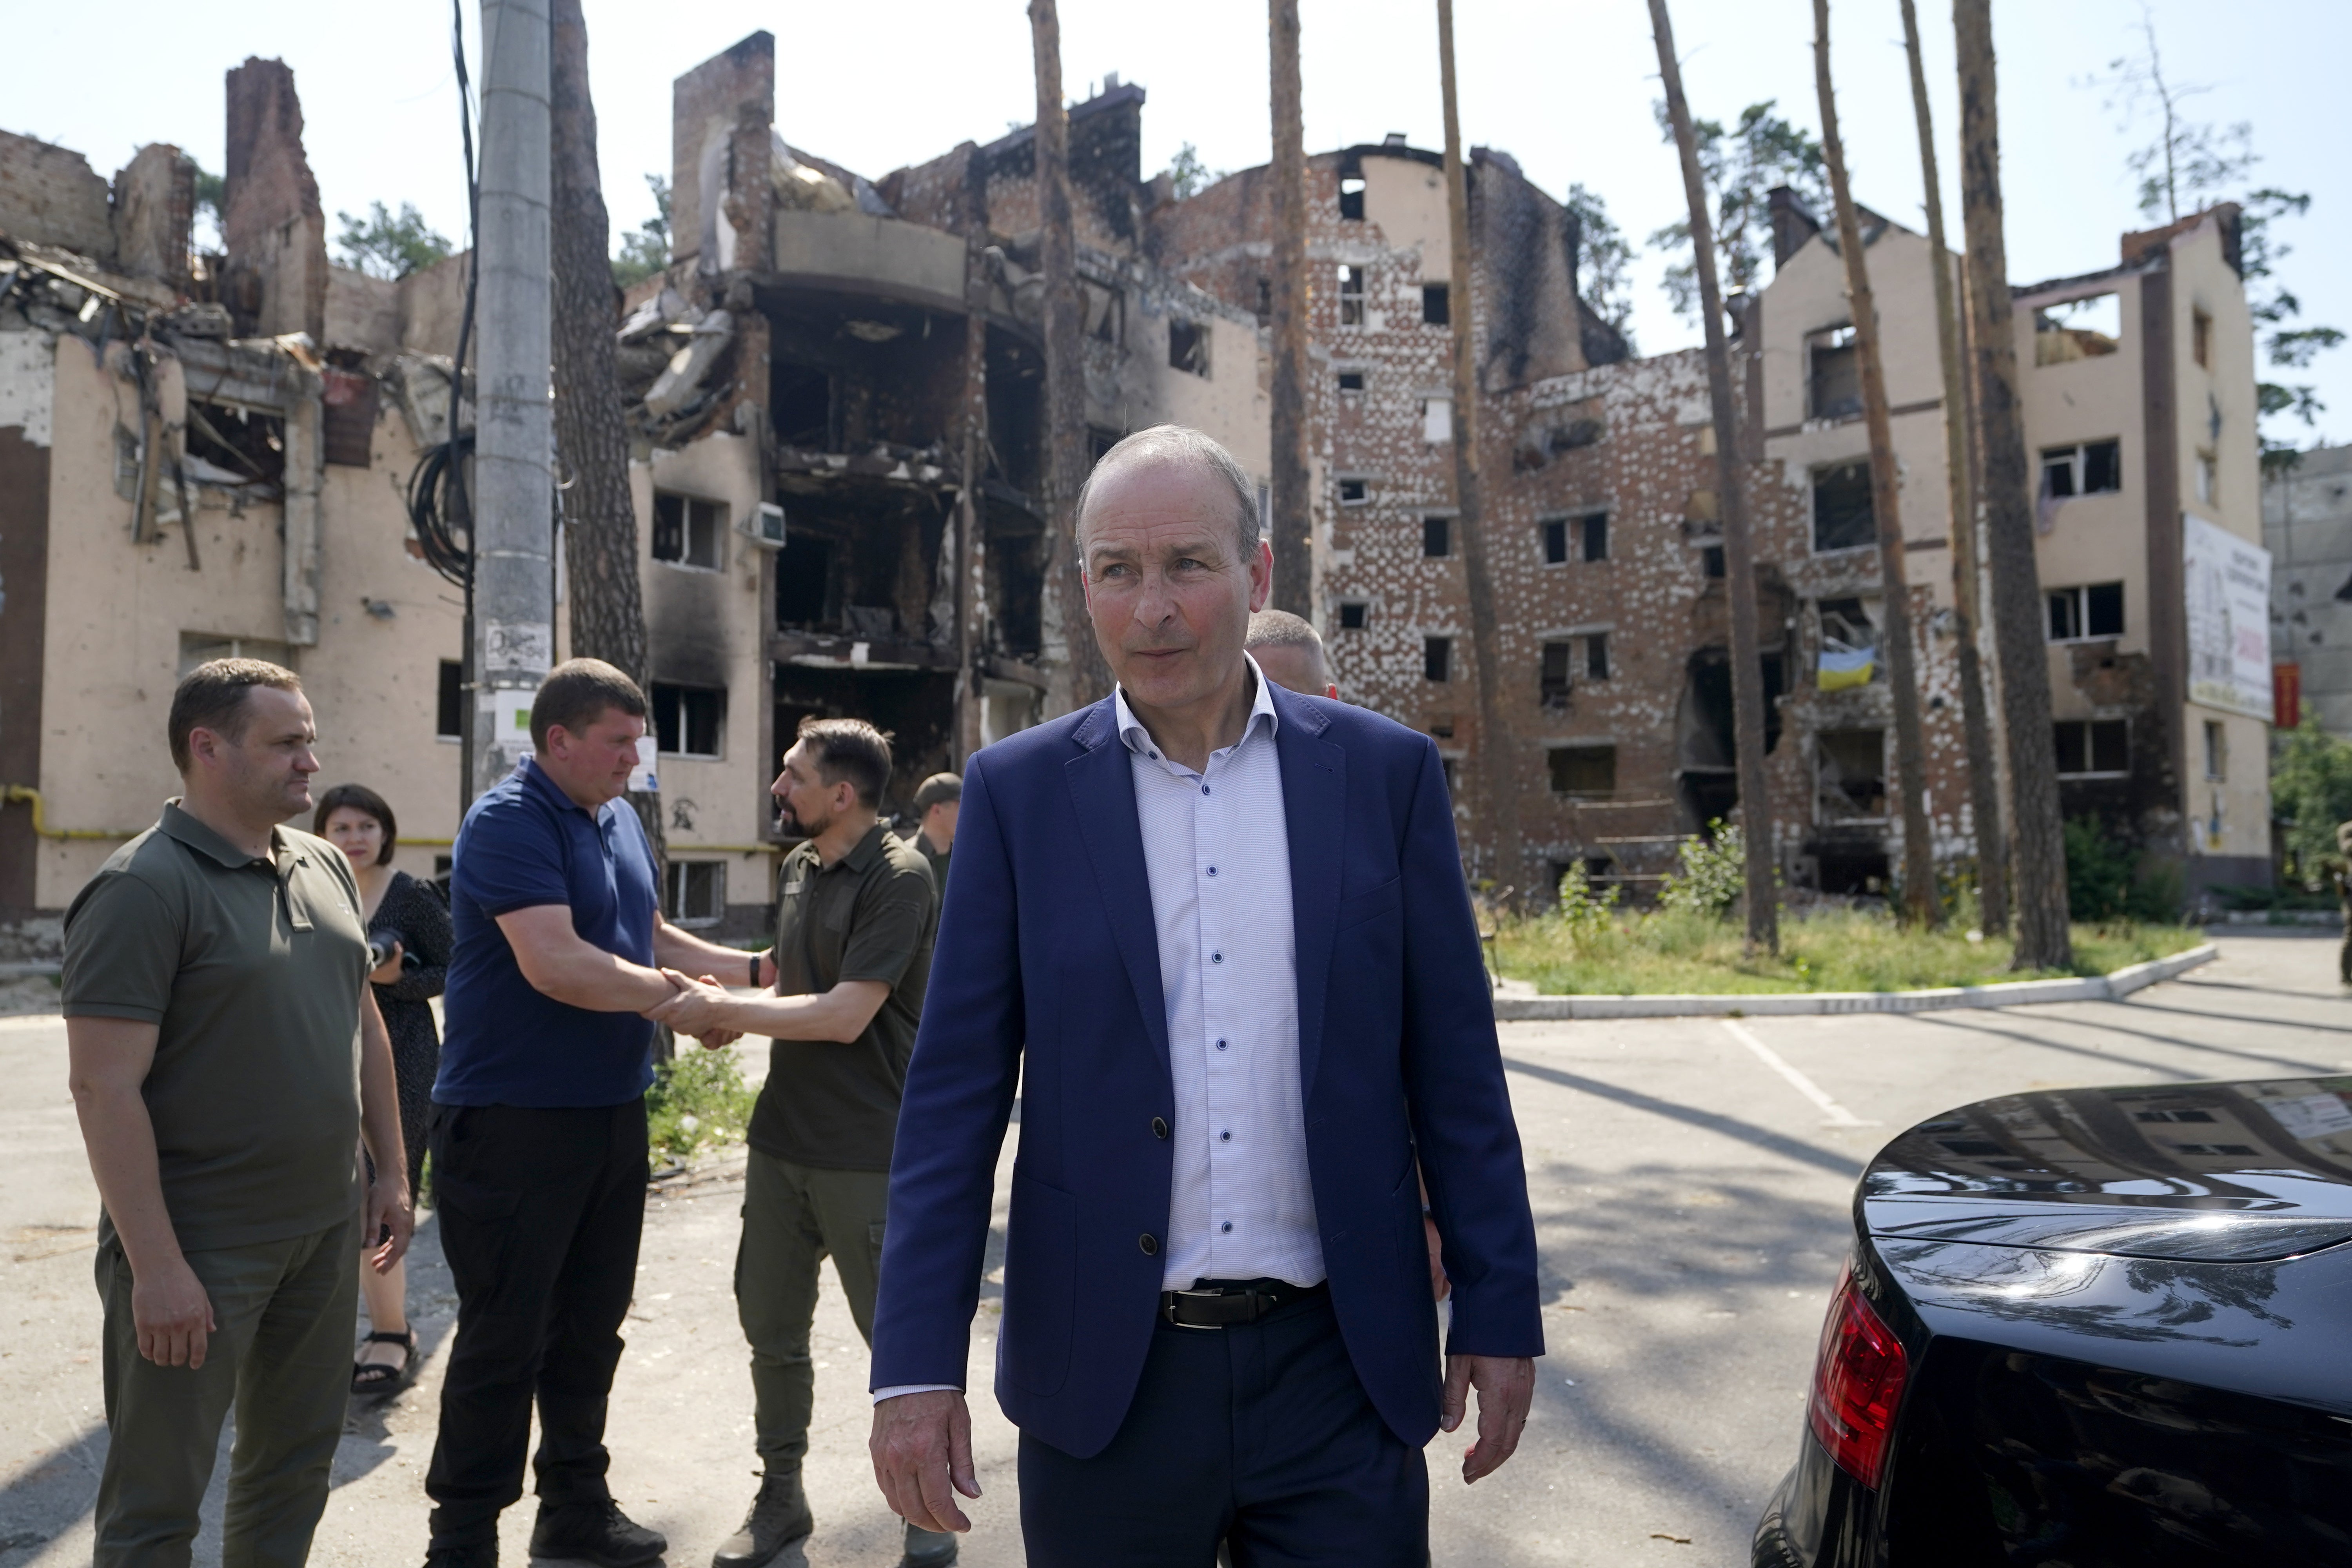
415, 925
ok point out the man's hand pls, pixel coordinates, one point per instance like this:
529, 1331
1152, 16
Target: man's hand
695, 1007
388, 1209
173, 1314
1506, 1385
922, 1445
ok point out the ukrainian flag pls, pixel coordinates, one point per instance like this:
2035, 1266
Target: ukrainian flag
1841, 667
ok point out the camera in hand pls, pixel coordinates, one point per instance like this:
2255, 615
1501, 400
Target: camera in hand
379, 946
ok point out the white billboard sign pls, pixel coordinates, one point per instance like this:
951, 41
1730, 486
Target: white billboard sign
2229, 593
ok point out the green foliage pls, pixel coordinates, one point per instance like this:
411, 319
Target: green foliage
1581, 913
645, 251
2311, 792
1712, 876
385, 246
2107, 879
1188, 174
1604, 262
699, 1098
1740, 167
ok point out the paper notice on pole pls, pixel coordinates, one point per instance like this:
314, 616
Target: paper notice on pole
2228, 589
510, 722
645, 777
521, 648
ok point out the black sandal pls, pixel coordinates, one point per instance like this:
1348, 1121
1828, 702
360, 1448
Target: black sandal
381, 1377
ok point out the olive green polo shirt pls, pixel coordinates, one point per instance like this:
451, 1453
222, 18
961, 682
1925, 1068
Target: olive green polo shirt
252, 972
870, 915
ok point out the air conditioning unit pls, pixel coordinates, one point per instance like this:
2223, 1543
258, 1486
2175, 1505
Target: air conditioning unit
765, 526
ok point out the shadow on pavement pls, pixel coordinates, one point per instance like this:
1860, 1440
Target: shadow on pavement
1728, 1126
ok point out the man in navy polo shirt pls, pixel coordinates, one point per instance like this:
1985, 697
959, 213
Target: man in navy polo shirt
538, 1136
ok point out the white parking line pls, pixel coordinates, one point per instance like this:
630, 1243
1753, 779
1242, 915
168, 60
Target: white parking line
1838, 1115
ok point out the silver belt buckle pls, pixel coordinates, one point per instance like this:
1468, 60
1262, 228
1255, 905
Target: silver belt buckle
1200, 1295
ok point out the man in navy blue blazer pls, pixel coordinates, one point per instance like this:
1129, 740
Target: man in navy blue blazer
1217, 936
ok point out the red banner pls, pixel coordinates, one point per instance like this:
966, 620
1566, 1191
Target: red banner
2286, 695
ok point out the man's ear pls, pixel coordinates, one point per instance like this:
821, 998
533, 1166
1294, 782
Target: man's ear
1261, 575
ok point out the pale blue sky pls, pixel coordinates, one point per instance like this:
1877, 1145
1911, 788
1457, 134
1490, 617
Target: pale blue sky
1566, 87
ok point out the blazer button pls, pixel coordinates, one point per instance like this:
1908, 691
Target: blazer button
1150, 1243
1159, 1127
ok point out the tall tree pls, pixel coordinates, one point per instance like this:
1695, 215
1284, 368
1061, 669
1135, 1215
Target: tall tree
1083, 676
1920, 905
1497, 751
1293, 522
1984, 778
1738, 549
1740, 164
2044, 938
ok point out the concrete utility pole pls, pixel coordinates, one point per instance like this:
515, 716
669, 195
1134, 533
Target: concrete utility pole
1292, 522
1959, 458
1498, 755
2044, 939
1920, 905
514, 442
1739, 549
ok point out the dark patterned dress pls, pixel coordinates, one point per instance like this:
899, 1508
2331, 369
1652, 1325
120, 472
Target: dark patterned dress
415, 912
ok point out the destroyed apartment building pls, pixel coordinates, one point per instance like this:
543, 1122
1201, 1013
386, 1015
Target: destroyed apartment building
835, 393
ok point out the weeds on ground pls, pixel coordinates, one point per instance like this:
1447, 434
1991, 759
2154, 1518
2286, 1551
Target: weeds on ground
698, 1099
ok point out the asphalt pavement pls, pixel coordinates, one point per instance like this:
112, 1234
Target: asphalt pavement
1691, 1181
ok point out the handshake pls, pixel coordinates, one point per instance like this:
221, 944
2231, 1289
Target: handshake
698, 1008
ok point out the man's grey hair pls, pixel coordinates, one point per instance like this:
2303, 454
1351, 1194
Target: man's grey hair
1180, 444
1280, 628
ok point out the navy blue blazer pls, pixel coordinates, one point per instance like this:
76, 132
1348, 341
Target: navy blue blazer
1047, 948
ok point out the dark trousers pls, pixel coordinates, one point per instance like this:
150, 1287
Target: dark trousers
540, 1211
1261, 1436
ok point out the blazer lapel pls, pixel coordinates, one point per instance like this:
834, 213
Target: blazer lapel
1314, 804
1102, 793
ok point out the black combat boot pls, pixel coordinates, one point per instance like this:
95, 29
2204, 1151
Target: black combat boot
780, 1515
597, 1532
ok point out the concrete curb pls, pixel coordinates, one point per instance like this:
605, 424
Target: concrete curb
30, 971
2013, 993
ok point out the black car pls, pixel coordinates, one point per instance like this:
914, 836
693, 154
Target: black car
2098, 1326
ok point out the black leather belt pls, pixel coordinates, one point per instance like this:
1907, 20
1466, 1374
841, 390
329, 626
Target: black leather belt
1221, 1304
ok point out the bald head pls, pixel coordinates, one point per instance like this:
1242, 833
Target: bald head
1290, 651
1180, 448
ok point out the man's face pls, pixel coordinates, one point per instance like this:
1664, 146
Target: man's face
807, 805
1168, 587
592, 764
939, 823
1294, 667
266, 769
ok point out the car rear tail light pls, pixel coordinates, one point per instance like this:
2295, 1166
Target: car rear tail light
1857, 1384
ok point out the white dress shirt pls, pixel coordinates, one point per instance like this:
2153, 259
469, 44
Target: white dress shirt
1216, 848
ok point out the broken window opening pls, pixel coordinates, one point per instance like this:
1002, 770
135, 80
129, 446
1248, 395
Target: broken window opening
2077, 329
2095, 467
1351, 296
801, 406
1834, 376
1265, 302
1583, 773
1555, 541
449, 701
1106, 318
2201, 338
1850, 775
1354, 615
1351, 197
1437, 659
696, 894
803, 574
1596, 656
689, 532
2091, 748
1552, 684
1592, 534
1849, 654
1188, 346
1845, 517
1436, 536
2217, 752
229, 444
1436, 305
1352, 380
1710, 559
2082, 614
690, 720
1355, 493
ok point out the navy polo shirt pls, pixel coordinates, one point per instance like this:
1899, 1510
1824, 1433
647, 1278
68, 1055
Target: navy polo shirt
525, 843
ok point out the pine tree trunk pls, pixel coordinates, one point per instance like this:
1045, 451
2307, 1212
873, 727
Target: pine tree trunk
1498, 749
1920, 905
592, 444
1084, 676
2044, 938
1291, 524
1739, 548
1976, 724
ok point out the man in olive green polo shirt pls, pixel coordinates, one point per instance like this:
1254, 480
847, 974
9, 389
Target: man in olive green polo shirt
227, 1061
938, 800
856, 913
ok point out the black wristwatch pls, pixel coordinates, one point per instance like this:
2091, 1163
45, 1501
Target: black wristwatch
755, 971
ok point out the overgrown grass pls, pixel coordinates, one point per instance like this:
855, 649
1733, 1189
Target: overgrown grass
699, 1100
1686, 951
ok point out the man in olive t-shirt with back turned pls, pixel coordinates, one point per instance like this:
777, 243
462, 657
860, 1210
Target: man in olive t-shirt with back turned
855, 912
228, 1060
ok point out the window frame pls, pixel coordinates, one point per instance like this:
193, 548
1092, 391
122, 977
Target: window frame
2077, 599
1557, 540
1441, 530
675, 693
1441, 296
2075, 462
2091, 730
1555, 774
1352, 293
1185, 330
1363, 489
678, 881
1361, 609
1839, 339
1813, 494
1437, 656
692, 509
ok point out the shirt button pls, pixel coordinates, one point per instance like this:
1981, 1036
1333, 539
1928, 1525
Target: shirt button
1216, 958
1221, 1044
1150, 1243
1213, 870
1225, 1137
1159, 1127
1227, 1227
1205, 789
